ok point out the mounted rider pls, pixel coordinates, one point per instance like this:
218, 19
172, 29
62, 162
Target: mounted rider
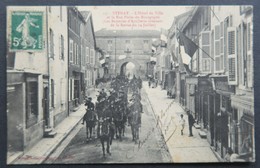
90, 116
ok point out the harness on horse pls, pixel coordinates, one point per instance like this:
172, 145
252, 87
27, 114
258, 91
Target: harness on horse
89, 116
104, 128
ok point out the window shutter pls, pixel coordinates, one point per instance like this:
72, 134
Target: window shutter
55, 94
60, 50
72, 89
71, 50
232, 56
62, 90
87, 54
217, 49
204, 43
250, 63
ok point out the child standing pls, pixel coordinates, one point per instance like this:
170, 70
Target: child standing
182, 122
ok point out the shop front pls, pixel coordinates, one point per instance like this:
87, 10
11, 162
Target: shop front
24, 110
76, 85
182, 89
222, 114
242, 141
191, 84
205, 103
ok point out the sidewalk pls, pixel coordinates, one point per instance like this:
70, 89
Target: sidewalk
40, 151
183, 149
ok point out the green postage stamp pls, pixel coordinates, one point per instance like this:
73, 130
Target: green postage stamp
27, 30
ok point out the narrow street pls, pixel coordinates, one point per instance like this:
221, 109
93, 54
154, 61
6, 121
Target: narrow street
150, 149
182, 75
183, 149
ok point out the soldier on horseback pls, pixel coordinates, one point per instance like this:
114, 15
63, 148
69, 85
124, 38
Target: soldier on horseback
89, 117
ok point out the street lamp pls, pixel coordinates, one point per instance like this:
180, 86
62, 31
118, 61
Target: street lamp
115, 49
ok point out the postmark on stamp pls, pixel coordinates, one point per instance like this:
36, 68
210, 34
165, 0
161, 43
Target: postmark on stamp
27, 30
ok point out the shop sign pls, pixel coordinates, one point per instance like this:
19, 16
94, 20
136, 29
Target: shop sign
204, 85
221, 84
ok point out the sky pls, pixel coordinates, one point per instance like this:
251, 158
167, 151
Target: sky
133, 17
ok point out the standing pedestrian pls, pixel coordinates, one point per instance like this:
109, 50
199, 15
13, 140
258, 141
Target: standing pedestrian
191, 122
182, 122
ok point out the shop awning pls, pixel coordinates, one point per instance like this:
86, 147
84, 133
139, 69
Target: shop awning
244, 102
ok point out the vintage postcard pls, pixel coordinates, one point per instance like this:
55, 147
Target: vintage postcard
130, 84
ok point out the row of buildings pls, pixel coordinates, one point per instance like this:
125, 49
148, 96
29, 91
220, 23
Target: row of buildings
216, 82
52, 63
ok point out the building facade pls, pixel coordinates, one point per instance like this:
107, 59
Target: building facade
219, 89
58, 64
36, 74
76, 66
88, 52
123, 46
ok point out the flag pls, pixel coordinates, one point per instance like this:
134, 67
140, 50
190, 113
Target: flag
163, 38
189, 46
185, 57
174, 58
102, 60
153, 59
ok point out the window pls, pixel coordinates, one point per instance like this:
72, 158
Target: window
61, 47
204, 55
205, 65
240, 54
76, 89
83, 56
249, 36
61, 13
51, 46
218, 47
146, 46
76, 54
31, 103
62, 90
127, 45
249, 54
71, 89
92, 56
232, 56
71, 50
212, 49
49, 8
52, 94
87, 54
247, 138
109, 45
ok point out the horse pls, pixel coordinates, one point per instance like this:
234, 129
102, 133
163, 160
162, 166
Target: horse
119, 119
134, 119
106, 135
90, 119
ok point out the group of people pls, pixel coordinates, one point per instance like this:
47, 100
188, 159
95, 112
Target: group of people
152, 82
113, 105
191, 122
231, 156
